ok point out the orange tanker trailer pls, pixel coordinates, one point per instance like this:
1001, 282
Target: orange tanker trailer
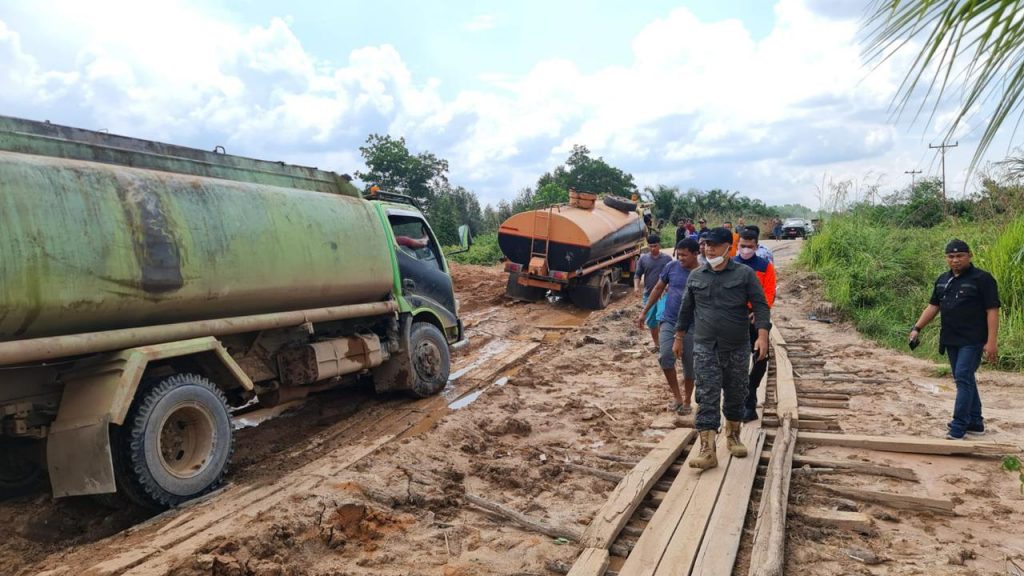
579, 248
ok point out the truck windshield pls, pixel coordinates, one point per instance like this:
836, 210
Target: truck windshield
414, 239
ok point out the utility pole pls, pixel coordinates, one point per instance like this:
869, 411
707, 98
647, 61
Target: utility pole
912, 174
942, 150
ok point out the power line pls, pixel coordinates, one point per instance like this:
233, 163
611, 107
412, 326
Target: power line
942, 150
912, 174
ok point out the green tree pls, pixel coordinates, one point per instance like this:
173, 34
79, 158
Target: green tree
550, 194
392, 167
444, 220
977, 44
664, 200
588, 174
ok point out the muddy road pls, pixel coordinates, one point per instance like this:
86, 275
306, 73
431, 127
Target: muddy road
351, 483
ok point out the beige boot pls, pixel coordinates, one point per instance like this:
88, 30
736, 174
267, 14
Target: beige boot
732, 439
707, 457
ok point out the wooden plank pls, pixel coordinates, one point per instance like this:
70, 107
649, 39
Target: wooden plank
902, 501
649, 549
823, 395
856, 521
630, 492
854, 466
785, 388
815, 403
682, 549
721, 542
591, 562
911, 444
767, 554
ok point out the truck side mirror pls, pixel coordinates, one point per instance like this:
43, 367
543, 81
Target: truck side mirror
465, 237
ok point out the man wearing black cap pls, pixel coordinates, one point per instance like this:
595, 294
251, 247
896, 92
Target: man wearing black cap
717, 300
968, 299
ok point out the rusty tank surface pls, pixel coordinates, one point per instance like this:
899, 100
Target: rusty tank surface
580, 247
99, 232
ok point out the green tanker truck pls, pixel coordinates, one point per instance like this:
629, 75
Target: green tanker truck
147, 290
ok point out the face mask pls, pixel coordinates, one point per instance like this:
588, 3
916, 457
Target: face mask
746, 253
714, 262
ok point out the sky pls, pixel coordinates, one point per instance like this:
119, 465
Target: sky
775, 100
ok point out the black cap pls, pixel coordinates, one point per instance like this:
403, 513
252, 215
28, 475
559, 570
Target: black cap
957, 245
719, 236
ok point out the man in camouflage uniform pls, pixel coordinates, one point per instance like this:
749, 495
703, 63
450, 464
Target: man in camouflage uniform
717, 301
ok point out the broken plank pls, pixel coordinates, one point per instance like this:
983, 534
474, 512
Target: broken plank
602, 474
854, 466
823, 395
522, 519
910, 444
721, 543
815, 403
902, 501
650, 548
856, 521
591, 562
631, 491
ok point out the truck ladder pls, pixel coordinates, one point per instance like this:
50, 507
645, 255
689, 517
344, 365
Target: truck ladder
541, 218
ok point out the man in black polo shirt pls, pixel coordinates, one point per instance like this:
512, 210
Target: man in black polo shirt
717, 301
968, 299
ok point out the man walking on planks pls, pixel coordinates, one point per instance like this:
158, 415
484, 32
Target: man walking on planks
717, 300
968, 299
765, 271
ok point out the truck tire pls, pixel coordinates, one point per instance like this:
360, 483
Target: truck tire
595, 294
516, 291
619, 203
431, 361
19, 475
175, 444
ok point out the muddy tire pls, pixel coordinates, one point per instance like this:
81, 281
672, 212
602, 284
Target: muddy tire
431, 361
175, 444
516, 291
19, 475
619, 203
595, 294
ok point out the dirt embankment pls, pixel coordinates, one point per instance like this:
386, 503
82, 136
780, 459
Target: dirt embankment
550, 385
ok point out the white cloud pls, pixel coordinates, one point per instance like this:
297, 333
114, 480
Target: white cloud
481, 22
698, 103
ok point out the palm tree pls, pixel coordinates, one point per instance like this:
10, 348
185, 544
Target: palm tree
977, 43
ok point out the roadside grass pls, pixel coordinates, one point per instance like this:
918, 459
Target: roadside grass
882, 276
483, 252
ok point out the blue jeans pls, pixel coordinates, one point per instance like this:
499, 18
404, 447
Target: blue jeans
964, 360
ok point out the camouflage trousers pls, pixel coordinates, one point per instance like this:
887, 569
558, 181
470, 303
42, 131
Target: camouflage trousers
720, 372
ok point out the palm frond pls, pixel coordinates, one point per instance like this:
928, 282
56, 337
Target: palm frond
974, 45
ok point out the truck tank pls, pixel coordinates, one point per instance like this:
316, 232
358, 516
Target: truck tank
100, 232
579, 235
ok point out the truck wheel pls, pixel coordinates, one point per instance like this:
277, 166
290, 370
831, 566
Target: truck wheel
595, 294
619, 203
516, 291
175, 443
19, 475
431, 362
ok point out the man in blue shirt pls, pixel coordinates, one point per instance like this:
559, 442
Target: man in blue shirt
671, 283
648, 269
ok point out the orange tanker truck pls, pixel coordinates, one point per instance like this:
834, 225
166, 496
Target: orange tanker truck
579, 248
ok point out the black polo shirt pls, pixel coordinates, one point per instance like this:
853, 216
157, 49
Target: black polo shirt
963, 301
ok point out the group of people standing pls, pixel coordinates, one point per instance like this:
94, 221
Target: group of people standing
709, 306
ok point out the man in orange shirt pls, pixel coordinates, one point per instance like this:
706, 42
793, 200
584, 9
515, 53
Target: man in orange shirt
765, 272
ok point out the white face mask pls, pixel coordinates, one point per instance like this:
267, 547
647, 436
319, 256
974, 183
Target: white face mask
716, 261
746, 253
